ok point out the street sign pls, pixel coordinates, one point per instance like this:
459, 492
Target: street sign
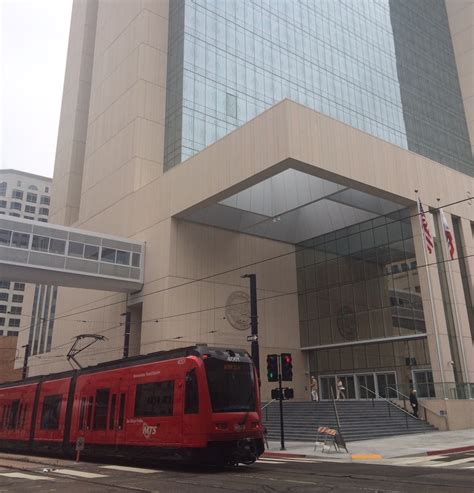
252, 338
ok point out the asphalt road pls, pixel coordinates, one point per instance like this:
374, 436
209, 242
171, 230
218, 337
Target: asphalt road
268, 475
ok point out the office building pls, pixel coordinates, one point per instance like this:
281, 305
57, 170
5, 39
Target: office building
289, 139
24, 195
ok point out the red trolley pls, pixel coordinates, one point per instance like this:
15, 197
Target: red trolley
196, 403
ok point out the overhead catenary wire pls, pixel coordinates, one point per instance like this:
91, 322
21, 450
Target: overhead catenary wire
234, 269
210, 309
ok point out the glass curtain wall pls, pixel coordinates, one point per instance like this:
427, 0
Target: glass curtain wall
358, 286
384, 67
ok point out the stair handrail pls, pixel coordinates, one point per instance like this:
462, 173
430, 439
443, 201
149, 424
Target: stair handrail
390, 402
425, 409
267, 404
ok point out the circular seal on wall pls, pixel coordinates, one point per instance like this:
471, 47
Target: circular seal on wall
237, 310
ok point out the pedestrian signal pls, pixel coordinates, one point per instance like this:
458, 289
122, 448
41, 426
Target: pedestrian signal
272, 368
286, 367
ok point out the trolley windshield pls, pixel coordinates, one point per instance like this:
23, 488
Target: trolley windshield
231, 385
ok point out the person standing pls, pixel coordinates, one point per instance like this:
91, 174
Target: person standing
340, 389
314, 389
414, 402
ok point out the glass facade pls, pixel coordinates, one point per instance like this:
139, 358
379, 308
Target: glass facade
377, 65
357, 285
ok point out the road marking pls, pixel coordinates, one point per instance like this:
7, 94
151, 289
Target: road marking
452, 463
21, 475
79, 474
269, 461
131, 469
414, 460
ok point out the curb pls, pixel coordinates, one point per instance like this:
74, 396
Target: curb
454, 450
283, 455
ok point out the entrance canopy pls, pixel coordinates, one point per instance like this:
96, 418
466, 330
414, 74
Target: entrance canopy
292, 206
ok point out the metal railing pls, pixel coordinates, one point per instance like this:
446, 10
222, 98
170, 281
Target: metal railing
265, 406
436, 390
389, 405
405, 398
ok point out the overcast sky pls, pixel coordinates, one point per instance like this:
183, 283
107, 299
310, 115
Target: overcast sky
33, 47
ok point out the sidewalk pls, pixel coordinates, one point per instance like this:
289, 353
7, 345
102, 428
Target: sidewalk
399, 446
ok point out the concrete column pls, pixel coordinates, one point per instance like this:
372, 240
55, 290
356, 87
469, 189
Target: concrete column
461, 319
433, 309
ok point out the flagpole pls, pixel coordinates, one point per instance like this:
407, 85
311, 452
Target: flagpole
430, 291
456, 313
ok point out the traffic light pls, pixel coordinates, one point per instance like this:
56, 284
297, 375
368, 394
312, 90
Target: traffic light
288, 393
272, 368
286, 367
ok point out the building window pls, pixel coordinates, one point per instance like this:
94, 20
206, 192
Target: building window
14, 322
91, 252
31, 197
44, 200
57, 246
46, 189
19, 286
5, 237
30, 208
3, 308
40, 243
42, 220
31, 218
2, 322
3, 204
108, 255
18, 183
3, 296
15, 205
136, 260
44, 211
32, 187
20, 240
17, 194
15, 310
14, 214
17, 298
3, 188
154, 399
4, 284
12, 333
51, 411
123, 258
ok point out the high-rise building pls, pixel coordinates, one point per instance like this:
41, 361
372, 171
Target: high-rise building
289, 139
27, 196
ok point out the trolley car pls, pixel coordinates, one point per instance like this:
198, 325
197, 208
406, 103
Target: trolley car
196, 403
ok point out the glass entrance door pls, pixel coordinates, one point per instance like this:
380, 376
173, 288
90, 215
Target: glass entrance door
328, 387
386, 383
365, 382
349, 386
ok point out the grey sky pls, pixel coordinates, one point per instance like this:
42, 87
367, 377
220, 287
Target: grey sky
33, 47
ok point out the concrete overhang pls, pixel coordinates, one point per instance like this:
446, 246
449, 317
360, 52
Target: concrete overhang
292, 174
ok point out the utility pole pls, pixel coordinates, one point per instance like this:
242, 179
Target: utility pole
126, 341
25, 361
254, 321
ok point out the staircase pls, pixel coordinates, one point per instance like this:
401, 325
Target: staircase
360, 420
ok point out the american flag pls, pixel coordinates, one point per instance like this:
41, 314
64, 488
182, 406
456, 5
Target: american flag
425, 228
448, 235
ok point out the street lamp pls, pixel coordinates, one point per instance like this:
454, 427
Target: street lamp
253, 320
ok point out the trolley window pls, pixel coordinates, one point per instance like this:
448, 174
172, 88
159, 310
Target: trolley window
13, 414
89, 413
154, 399
81, 413
50, 412
231, 385
121, 412
191, 404
112, 412
101, 407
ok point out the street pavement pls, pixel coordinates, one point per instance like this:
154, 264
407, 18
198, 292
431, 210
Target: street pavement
270, 474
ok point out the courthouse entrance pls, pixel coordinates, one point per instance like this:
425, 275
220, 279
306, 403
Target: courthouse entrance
360, 385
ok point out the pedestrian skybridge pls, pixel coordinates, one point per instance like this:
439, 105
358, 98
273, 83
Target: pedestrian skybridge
51, 254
